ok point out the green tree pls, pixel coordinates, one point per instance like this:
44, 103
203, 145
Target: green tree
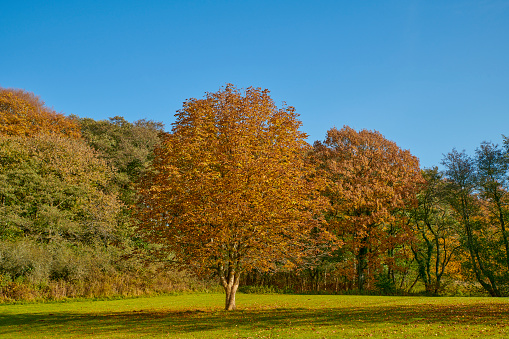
493, 182
462, 185
436, 230
55, 188
127, 147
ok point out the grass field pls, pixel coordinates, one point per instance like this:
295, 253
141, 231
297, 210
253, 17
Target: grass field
260, 316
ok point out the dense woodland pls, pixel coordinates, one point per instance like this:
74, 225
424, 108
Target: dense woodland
234, 193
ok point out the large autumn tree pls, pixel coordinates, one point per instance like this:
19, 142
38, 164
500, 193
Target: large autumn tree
370, 183
228, 191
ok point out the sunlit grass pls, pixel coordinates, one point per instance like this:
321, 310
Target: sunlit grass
260, 316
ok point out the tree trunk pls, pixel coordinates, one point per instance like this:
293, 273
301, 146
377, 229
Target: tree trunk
230, 291
502, 225
362, 265
230, 281
477, 264
413, 284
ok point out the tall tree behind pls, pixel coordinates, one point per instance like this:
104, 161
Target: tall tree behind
52, 184
370, 180
228, 190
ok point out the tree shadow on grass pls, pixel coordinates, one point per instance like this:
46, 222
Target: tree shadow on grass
188, 322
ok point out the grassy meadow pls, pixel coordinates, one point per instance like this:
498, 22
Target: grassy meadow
260, 316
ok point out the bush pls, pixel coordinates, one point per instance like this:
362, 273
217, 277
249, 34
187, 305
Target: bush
35, 271
385, 285
259, 289
24, 259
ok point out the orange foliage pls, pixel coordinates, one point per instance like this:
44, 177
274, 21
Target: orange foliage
24, 114
228, 191
370, 181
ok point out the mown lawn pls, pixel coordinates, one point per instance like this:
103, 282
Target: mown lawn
260, 316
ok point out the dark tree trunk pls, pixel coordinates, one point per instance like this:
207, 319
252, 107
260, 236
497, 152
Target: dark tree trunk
475, 258
502, 225
362, 265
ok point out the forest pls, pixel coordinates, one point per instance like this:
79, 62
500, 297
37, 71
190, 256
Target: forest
234, 197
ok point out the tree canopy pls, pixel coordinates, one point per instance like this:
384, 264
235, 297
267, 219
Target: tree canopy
229, 189
23, 113
55, 188
127, 147
369, 180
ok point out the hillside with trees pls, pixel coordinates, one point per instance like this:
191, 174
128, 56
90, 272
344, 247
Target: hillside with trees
234, 194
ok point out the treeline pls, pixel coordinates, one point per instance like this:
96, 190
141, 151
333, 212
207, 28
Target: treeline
451, 240
111, 207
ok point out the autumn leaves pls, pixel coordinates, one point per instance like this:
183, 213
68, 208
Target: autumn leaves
235, 187
370, 182
229, 189
24, 114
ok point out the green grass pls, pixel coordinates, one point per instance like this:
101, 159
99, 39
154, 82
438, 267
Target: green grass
260, 316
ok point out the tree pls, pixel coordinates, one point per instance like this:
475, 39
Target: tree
127, 147
228, 191
23, 113
370, 181
55, 189
493, 174
462, 186
435, 227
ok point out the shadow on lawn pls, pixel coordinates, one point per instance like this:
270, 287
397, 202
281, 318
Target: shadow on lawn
144, 322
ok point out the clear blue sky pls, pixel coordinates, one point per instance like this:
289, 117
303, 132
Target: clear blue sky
429, 75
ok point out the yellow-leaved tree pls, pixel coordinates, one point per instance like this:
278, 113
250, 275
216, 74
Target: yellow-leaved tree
228, 190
